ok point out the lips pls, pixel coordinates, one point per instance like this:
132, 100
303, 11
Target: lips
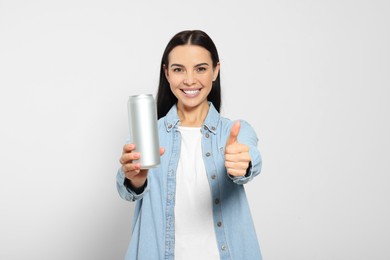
191, 92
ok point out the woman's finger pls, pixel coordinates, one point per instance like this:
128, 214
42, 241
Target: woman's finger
238, 157
235, 172
236, 148
129, 157
127, 148
237, 165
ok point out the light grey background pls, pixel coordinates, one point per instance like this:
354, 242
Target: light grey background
312, 77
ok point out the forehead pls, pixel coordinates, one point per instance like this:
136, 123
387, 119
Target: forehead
189, 54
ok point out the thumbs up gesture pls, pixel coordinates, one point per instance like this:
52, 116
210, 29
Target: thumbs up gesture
237, 156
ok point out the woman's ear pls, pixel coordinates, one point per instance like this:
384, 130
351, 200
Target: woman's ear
216, 71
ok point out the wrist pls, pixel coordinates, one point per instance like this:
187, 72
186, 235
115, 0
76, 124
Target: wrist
138, 189
137, 184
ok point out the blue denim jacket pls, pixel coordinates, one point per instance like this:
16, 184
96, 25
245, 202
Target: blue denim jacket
153, 234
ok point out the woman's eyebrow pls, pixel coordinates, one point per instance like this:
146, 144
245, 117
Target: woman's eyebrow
202, 64
176, 65
197, 65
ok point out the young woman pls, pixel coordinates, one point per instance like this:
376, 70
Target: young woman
193, 205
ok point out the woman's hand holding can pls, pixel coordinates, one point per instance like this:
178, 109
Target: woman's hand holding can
131, 169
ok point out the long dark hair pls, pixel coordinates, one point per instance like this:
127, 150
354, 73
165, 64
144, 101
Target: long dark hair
165, 98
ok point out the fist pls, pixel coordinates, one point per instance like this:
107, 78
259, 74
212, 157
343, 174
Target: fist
133, 170
237, 156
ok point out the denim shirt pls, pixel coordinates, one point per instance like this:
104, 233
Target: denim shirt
153, 235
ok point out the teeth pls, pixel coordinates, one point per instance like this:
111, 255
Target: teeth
191, 92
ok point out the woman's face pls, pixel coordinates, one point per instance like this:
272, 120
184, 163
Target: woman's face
190, 74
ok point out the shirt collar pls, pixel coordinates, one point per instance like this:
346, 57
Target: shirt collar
210, 123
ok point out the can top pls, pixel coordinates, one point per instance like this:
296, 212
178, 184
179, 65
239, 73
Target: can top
142, 96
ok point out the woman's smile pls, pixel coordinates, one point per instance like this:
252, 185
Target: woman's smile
191, 93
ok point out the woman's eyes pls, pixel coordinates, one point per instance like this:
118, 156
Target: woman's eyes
201, 69
198, 69
177, 69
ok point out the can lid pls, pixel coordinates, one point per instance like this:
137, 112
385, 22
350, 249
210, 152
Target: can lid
141, 96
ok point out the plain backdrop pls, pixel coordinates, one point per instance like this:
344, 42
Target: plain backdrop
312, 78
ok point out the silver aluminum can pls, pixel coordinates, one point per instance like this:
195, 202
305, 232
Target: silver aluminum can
142, 114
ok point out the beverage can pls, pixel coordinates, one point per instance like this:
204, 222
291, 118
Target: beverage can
142, 114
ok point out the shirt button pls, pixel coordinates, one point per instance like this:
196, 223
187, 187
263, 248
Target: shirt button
208, 154
207, 135
213, 176
223, 247
219, 224
216, 201
169, 126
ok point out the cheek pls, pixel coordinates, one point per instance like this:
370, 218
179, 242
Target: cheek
207, 80
174, 86
174, 80
174, 83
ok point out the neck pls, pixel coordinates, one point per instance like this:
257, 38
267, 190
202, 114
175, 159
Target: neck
192, 117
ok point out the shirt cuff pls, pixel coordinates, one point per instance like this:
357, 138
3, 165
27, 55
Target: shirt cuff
127, 192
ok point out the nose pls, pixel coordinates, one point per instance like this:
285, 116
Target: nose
189, 79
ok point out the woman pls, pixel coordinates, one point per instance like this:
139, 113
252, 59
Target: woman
193, 205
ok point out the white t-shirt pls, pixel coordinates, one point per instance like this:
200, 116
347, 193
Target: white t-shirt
194, 228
